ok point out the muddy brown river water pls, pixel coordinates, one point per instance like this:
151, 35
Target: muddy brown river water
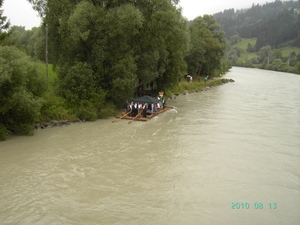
229, 155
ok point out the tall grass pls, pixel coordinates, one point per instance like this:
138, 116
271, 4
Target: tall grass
52, 74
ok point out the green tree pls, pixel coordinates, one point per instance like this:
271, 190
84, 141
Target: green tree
293, 62
235, 39
172, 38
20, 91
250, 48
122, 24
276, 54
4, 25
122, 42
26, 40
232, 55
81, 92
40, 6
15, 34
276, 64
265, 54
208, 46
239, 51
195, 57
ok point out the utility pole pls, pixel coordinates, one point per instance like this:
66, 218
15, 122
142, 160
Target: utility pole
46, 25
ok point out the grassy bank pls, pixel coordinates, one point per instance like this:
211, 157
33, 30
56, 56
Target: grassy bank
194, 86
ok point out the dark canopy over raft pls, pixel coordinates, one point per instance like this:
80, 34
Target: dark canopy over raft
146, 99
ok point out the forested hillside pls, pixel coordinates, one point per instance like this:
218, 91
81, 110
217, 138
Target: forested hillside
264, 36
276, 23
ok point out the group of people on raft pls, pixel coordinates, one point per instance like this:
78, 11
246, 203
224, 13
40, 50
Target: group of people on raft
138, 107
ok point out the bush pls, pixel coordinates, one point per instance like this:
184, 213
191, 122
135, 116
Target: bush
168, 93
177, 89
78, 84
24, 129
54, 107
254, 61
107, 111
3, 132
20, 93
20, 112
87, 111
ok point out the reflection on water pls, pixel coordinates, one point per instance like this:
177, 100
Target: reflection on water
237, 143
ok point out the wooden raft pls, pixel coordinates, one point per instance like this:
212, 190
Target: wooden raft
149, 115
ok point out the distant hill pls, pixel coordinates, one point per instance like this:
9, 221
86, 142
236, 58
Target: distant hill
276, 24
245, 55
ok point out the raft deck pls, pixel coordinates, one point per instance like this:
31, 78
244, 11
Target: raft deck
150, 115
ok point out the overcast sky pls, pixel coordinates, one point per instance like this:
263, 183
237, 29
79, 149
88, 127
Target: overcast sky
20, 12
195, 8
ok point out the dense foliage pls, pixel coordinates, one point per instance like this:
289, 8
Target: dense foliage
275, 23
122, 42
102, 50
4, 24
207, 47
20, 91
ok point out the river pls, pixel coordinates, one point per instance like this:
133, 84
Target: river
229, 155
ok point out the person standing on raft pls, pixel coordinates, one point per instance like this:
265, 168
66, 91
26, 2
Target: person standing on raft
126, 106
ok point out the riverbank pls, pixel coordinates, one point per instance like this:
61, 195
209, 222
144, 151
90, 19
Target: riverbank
56, 123
182, 88
185, 87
